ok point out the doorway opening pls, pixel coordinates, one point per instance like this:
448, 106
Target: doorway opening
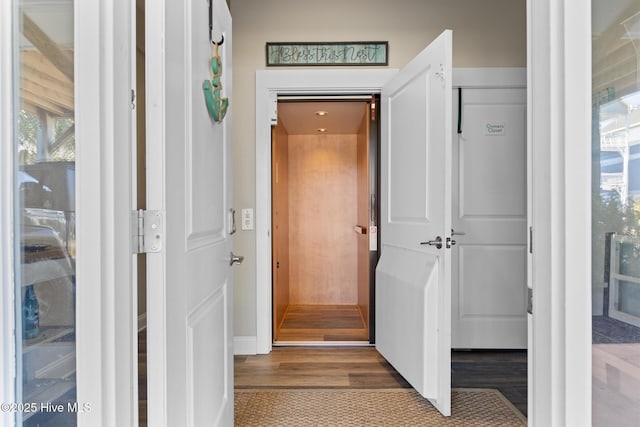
324, 186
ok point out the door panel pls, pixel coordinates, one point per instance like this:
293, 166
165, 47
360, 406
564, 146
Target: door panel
489, 207
207, 358
190, 293
415, 282
413, 301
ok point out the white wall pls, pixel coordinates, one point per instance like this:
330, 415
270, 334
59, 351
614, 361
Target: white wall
490, 33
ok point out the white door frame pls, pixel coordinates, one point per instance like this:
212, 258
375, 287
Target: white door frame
270, 84
7, 307
106, 329
559, 210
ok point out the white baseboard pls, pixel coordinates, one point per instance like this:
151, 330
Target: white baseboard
142, 321
245, 345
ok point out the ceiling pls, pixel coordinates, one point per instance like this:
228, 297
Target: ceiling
46, 56
342, 118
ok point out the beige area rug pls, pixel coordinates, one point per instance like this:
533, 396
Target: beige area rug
388, 407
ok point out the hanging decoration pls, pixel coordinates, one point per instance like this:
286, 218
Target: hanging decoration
216, 104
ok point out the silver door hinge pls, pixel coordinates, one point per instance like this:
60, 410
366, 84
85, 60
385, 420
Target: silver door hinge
442, 74
529, 300
146, 231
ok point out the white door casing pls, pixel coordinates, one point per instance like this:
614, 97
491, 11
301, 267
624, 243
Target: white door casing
489, 218
106, 327
7, 307
413, 299
559, 190
270, 84
190, 284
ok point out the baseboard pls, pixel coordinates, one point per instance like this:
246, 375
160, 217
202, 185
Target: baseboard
245, 345
142, 321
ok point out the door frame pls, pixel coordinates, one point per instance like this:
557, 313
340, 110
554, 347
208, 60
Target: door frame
106, 313
7, 307
559, 210
270, 84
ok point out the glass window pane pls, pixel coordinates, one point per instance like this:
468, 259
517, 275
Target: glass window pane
44, 148
616, 212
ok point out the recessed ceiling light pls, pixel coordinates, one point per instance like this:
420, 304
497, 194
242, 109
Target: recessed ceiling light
321, 113
322, 129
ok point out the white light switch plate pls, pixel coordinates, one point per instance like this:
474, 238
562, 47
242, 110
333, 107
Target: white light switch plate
247, 219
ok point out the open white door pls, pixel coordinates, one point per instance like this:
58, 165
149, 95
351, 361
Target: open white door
413, 293
190, 285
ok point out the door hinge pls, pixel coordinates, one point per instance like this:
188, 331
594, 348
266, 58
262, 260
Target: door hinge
146, 231
530, 240
442, 74
529, 300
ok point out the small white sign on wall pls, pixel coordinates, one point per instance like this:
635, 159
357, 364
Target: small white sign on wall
495, 129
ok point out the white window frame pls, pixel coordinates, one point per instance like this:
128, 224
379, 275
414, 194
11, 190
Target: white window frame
615, 277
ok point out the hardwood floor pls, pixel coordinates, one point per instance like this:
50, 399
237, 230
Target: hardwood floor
505, 370
322, 323
317, 367
365, 368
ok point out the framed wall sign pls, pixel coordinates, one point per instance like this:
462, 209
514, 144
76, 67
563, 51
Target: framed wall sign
327, 53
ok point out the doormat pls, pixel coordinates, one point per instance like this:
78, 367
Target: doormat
388, 407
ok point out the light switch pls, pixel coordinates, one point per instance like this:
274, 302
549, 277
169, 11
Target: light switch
247, 219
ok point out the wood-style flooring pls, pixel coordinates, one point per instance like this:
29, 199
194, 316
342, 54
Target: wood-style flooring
317, 367
322, 323
365, 368
362, 368
505, 370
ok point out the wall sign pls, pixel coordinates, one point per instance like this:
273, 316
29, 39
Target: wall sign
495, 129
329, 53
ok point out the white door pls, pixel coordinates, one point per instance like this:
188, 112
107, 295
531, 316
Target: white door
190, 285
413, 294
489, 274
